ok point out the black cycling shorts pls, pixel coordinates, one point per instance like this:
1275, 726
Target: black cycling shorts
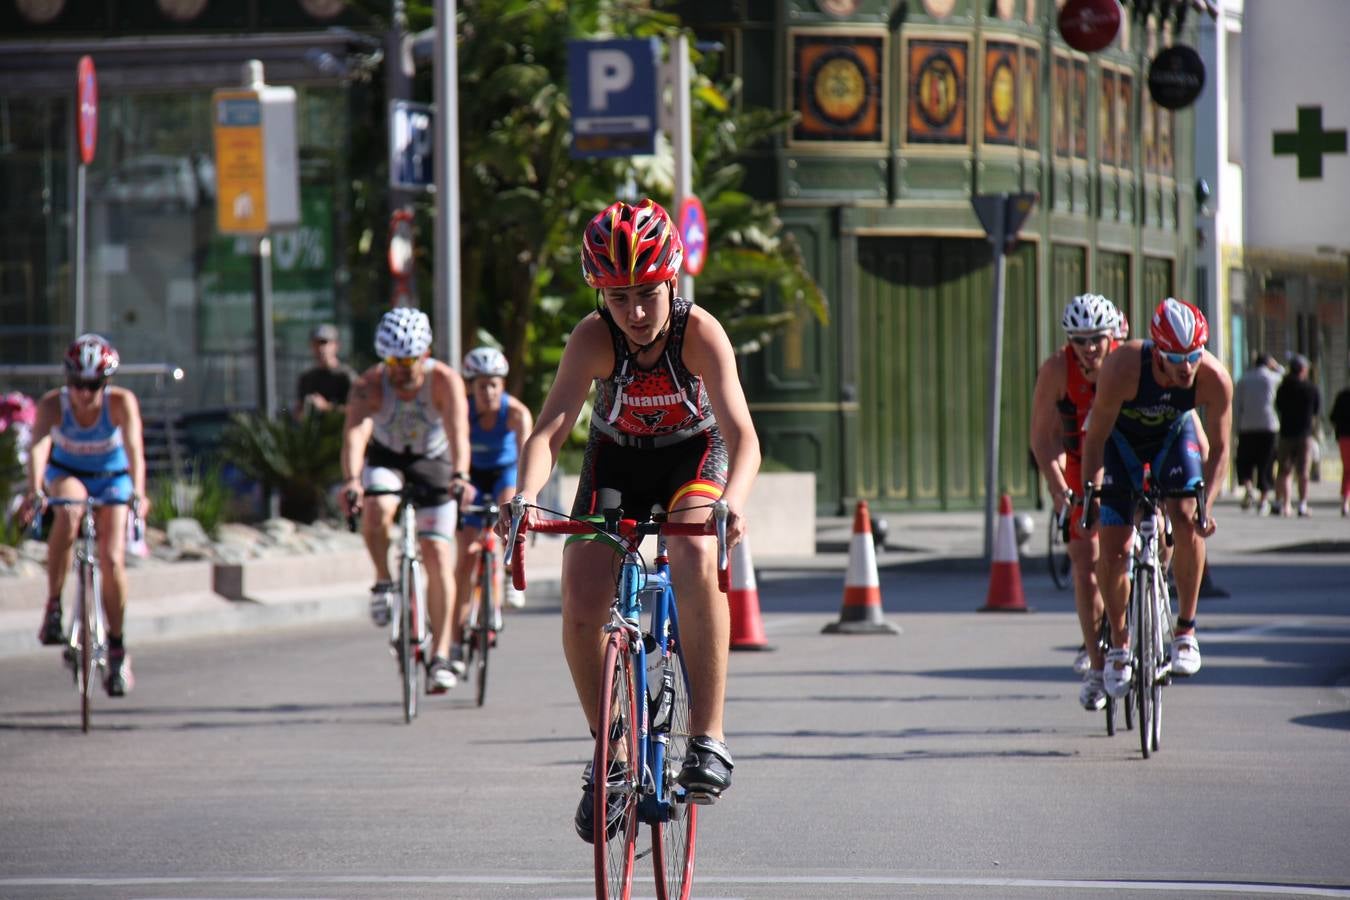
690, 473
428, 476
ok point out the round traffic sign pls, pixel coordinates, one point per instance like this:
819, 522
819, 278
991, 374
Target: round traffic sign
1089, 25
694, 231
86, 114
1176, 77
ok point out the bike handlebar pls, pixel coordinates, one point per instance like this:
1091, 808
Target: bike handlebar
1092, 492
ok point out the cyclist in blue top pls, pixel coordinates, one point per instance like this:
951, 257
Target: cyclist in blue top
498, 426
1142, 413
87, 442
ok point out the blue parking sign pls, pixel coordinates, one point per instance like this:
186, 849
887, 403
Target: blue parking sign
412, 157
613, 89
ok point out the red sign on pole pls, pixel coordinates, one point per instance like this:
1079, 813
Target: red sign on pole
1089, 25
86, 113
693, 226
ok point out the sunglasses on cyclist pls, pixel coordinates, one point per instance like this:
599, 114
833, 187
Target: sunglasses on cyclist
91, 386
1083, 341
1179, 358
402, 362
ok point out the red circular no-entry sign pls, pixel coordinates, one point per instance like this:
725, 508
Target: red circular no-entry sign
86, 112
693, 225
1089, 25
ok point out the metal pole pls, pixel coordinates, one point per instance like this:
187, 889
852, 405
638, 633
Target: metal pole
995, 383
79, 247
397, 86
682, 138
448, 304
262, 324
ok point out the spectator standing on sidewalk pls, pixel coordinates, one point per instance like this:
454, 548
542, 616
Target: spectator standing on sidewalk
326, 384
1340, 420
1257, 425
1298, 403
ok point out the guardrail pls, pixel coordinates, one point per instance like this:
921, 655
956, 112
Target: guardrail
47, 370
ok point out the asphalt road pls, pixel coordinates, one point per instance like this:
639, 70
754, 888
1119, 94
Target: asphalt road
948, 761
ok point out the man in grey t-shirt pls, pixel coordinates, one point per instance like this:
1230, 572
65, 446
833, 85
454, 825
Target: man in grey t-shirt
1257, 424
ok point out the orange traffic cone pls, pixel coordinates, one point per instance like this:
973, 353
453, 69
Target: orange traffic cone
1005, 575
861, 613
747, 629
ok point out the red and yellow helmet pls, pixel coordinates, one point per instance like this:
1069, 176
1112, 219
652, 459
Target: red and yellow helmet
627, 245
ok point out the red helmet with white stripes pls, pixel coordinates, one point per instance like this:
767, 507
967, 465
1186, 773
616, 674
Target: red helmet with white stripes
627, 245
1178, 326
90, 357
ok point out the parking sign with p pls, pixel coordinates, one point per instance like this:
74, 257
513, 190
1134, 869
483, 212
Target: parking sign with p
613, 93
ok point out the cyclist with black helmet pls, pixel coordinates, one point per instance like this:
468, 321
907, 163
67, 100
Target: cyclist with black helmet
670, 427
407, 422
498, 426
1065, 385
1144, 412
88, 442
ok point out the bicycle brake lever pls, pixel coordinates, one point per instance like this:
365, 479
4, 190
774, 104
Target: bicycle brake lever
514, 546
720, 511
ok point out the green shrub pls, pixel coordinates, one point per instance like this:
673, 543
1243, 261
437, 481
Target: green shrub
11, 481
201, 494
299, 458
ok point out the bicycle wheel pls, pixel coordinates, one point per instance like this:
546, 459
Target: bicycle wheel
1144, 659
88, 629
483, 628
407, 657
1103, 645
1160, 651
1057, 555
673, 839
616, 773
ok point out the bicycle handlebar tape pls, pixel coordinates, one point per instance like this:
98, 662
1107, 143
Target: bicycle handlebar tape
861, 612
1005, 570
747, 628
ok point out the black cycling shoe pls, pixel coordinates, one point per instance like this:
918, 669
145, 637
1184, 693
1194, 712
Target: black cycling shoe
585, 817
51, 634
707, 770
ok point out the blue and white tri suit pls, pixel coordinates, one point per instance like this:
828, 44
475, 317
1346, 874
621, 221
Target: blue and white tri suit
95, 456
492, 467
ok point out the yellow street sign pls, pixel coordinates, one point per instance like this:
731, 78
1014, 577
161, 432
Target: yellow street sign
241, 179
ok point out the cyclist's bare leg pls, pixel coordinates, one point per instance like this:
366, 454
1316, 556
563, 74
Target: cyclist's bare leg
705, 627
111, 523
65, 526
466, 555
588, 590
1188, 558
377, 517
1086, 596
1114, 546
439, 558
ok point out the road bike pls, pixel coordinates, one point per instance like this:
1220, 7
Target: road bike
1057, 553
643, 729
1126, 703
480, 631
408, 633
1150, 618
86, 650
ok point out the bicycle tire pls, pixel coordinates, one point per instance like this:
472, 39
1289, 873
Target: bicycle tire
1057, 554
483, 629
407, 659
1159, 652
674, 840
88, 661
1103, 645
1143, 656
616, 741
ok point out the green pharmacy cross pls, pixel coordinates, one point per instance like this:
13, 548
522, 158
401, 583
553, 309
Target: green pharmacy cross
1310, 142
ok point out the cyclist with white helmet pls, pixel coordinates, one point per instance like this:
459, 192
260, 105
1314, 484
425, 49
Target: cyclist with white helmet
1144, 412
407, 422
671, 428
498, 426
1065, 386
88, 442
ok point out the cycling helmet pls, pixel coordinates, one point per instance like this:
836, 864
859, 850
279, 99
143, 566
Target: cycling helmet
1178, 326
89, 357
1122, 326
403, 332
1089, 314
485, 361
627, 245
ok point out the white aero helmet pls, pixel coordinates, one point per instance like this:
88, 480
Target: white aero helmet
403, 332
1122, 326
485, 361
1090, 314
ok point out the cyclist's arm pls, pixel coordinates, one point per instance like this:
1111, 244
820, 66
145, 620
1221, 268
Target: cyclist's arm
708, 353
1046, 430
128, 415
40, 450
361, 404
1116, 382
588, 355
1214, 392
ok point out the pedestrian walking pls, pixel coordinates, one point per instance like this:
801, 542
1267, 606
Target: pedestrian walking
1257, 425
1340, 420
325, 385
1298, 403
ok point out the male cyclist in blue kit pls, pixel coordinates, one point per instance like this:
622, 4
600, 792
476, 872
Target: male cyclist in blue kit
87, 442
1141, 414
498, 425
670, 427
407, 421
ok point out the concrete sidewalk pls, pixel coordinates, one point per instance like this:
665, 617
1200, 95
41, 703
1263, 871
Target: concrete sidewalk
180, 600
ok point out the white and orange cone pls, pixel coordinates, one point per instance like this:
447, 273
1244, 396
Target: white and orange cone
861, 612
1005, 572
747, 628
